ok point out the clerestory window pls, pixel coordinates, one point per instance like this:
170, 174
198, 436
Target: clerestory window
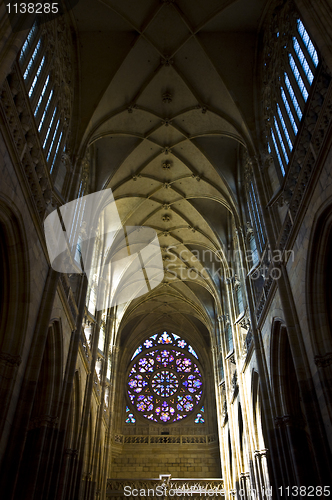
37, 64
291, 87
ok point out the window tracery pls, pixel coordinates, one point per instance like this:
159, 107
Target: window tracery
164, 382
46, 70
290, 63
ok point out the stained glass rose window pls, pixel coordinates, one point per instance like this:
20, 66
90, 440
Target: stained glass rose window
164, 380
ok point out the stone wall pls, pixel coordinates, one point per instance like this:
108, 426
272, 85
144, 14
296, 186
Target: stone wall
149, 461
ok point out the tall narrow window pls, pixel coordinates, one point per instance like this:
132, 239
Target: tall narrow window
35, 80
256, 220
229, 338
32, 60
293, 84
41, 97
47, 100
28, 43
45, 111
222, 374
239, 298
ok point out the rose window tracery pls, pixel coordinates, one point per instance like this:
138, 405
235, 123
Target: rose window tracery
164, 380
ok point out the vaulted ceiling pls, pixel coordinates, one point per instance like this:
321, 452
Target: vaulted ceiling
166, 103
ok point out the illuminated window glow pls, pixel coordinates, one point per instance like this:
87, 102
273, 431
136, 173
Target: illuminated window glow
307, 42
32, 88
289, 111
289, 142
45, 111
298, 78
49, 128
130, 419
164, 381
302, 59
200, 417
42, 95
32, 60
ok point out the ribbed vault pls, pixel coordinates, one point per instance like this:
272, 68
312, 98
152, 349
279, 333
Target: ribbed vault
168, 97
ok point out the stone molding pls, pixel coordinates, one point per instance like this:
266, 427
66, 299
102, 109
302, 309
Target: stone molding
289, 421
71, 453
161, 439
44, 421
10, 360
323, 361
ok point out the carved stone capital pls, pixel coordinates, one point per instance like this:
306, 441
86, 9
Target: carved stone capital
44, 421
71, 453
324, 361
288, 421
10, 360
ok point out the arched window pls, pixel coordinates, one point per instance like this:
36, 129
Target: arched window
290, 63
257, 241
165, 382
50, 100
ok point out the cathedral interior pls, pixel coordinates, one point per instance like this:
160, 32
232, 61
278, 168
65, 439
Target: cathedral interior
194, 353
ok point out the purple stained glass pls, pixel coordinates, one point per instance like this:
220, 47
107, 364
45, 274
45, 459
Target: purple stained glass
137, 383
184, 364
165, 384
192, 383
146, 364
165, 358
130, 419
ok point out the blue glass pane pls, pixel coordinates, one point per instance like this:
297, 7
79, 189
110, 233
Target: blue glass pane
199, 419
293, 97
32, 59
45, 111
289, 142
42, 95
303, 61
307, 42
138, 350
289, 111
278, 153
191, 350
36, 77
56, 151
130, 419
298, 78
281, 140
53, 139
49, 128
28, 42
258, 215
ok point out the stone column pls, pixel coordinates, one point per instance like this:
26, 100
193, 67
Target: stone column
15, 448
86, 409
